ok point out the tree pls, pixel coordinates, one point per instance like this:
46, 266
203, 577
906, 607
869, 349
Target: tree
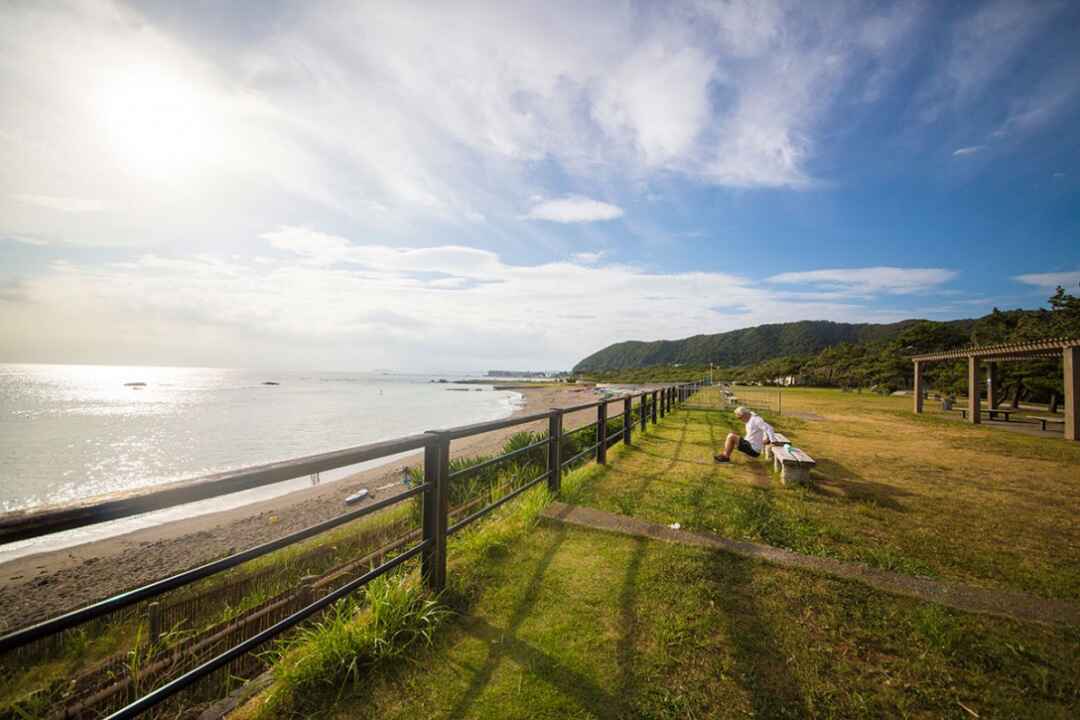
1065, 314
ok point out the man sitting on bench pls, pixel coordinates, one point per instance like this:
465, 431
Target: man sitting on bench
758, 434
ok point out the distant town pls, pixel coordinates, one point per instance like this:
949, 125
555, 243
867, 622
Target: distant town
524, 374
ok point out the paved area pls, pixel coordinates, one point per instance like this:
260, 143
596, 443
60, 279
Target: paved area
1017, 606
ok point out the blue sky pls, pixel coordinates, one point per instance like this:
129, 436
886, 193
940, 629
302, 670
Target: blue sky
350, 185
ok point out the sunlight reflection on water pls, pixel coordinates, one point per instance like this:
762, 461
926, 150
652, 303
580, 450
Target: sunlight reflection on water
75, 431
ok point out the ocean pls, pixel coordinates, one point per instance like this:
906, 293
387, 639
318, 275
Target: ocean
69, 432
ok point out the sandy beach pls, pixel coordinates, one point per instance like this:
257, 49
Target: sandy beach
35, 587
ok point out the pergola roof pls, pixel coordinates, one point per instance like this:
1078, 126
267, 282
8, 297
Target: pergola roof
1032, 350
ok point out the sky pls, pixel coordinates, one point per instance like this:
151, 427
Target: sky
472, 185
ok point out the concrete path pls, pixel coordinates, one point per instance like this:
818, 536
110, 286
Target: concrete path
1003, 603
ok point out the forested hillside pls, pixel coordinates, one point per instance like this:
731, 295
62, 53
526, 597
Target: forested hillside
882, 362
747, 346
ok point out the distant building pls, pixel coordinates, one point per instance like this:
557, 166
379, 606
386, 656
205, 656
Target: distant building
785, 380
517, 373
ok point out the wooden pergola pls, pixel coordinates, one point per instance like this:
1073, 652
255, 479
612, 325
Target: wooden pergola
1067, 350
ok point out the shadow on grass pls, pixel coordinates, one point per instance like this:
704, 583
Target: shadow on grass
628, 639
595, 699
760, 660
502, 642
680, 461
633, 497
837, 481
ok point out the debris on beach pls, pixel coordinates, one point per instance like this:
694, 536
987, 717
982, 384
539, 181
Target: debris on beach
356, 496
135, 384
270, 382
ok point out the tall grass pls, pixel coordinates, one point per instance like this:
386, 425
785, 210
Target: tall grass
358, 633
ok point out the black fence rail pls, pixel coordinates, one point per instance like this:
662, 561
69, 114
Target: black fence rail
280, 614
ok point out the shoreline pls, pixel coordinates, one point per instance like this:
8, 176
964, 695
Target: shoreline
43, 584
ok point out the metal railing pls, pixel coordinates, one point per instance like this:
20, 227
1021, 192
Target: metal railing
432, 547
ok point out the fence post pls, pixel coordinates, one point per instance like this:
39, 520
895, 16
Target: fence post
627, 420
661, 396
554, 451
307, 590
643, 410
601, 432
436, 502
153, 620
653, 404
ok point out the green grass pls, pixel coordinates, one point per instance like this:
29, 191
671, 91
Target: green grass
357, 634
919, 495
556, 622
578, 624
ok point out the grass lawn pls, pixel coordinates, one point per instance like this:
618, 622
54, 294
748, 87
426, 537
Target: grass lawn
579, 624
915, 494
559, 622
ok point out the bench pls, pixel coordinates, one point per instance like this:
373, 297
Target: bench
780, 440
793, 465
1043, 420
993, 413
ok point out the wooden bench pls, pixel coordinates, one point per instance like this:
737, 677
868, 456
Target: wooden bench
993, 413
793, 465
780, 440
1043, 420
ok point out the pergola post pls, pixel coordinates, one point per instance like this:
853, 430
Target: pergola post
993, 385
974, 391
1071, 361
918, 387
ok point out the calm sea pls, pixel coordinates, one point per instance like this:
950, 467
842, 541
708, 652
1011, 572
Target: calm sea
73, 431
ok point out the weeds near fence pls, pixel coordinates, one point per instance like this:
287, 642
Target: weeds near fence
393, 615
391, 620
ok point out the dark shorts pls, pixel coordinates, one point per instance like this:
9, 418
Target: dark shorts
747, 448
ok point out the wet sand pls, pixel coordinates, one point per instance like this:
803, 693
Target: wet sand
35, 587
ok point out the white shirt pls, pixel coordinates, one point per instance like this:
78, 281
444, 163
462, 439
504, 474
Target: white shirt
757, 430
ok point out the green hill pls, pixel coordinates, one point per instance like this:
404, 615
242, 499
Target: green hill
748, 345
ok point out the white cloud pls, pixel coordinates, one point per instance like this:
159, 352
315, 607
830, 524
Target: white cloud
1050, 279
25, 239
377, 306
574, 209
979, 48
868, 281
590, 258
970, 150
389, 138
62, 204
321, 249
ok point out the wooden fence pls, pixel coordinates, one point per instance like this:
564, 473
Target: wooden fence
229, 646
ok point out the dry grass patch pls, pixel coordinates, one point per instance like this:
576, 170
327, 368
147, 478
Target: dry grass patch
921, 495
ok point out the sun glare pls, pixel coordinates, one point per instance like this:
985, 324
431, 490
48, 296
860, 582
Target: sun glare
157, 123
